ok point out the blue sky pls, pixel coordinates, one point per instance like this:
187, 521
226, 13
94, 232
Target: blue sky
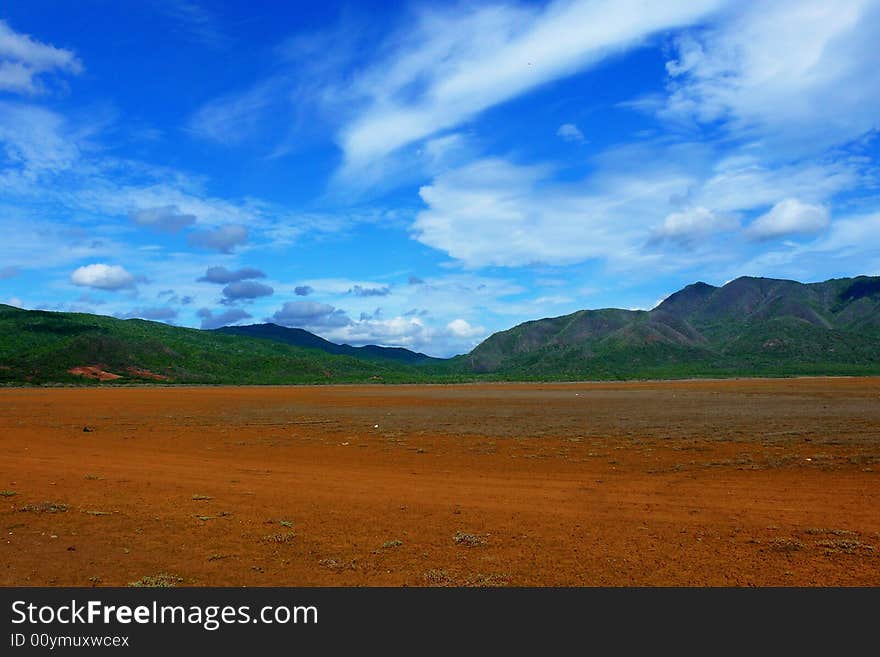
424, 174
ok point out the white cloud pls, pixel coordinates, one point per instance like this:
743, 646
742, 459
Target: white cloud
744, 183
570, 132
411, 332
493, 212
462, 329
102, 277
450, 66
23, 60
233, 118
849, 247
694, 223
35, 141
798, 75
790, 217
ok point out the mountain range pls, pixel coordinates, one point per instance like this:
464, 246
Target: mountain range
302, 338
747, 327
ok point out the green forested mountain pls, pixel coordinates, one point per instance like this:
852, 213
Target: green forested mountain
748, 327
38, 347
302, 338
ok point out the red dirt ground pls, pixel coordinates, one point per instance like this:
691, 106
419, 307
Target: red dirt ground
94, 372
739, 482
145, 374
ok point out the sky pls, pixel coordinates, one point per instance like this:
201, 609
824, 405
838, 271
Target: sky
425, 174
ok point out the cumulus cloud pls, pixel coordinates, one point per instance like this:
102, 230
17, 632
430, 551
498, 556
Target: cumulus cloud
790, 217
692, 224
570, 132
494, 212
24, 59
361, 291
223, 239
245, 290
415, 280
303, 290
410, 332
210, 320
166, 218
463, 329
102, 277
305, 314
162, 313
222, 275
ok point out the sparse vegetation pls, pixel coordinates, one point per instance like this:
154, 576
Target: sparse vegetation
45, 507
392, 544
201, 498
160, 581
283, 537
487, 580
785, 545
437, 577
832, 532
844, 546
8, 493
470, 540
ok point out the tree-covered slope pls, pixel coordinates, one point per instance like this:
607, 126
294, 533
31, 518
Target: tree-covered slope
301, 338
751, 326
38, 346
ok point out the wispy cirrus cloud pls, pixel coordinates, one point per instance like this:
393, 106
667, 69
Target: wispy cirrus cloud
797, 90
450, 65
25, 61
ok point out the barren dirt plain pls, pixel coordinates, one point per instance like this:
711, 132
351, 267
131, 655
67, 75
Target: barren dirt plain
729, 482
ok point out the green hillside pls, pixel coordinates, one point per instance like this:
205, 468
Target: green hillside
302, 338
39, 347
749, 327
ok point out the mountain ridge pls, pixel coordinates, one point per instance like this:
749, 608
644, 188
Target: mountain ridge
302, 338
751, 326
